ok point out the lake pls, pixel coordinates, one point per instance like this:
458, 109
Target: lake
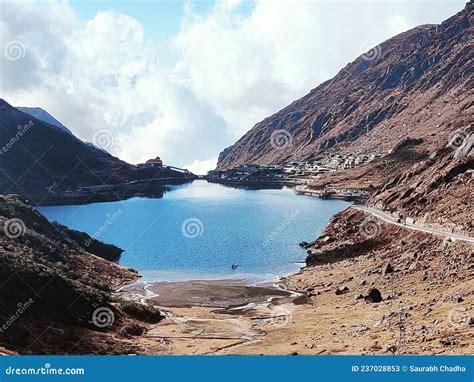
205, 230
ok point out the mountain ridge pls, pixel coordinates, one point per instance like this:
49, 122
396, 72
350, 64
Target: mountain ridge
381, 95
44, 116
48, 165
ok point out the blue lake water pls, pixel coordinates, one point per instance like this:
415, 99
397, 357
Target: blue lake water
199, 230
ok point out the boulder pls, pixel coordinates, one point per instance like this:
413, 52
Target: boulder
131, 330
387, 268
311, 259
341, 290
301, 300
373, 295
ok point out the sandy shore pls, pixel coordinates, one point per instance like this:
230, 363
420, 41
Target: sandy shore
326, 324
206, 293
209, 316
426, 305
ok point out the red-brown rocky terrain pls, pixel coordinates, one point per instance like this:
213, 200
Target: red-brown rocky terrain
415, 85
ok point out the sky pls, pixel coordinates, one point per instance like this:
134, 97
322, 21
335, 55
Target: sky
184, 79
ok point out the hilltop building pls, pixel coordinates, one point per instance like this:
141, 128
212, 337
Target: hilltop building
152, 163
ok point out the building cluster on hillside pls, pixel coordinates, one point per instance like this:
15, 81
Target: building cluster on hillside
332, 163
344, 162
249, 172
291, 170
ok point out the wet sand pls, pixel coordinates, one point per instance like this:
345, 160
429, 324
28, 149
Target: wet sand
204, 317
209, 316
206, 293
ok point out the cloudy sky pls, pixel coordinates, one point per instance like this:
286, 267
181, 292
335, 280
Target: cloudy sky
184, 79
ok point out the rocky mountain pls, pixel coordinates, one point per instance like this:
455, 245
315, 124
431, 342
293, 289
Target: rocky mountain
53, 283
44, 116
416, 85
48, 165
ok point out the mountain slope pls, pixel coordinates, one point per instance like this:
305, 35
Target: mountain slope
53, 285
44, 116
438, 190
417, 84
48, 165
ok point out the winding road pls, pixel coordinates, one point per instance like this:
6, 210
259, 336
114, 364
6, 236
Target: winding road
391, 220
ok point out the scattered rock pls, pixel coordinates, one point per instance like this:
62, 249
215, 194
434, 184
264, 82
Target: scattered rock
142, 312
311, 259
341, 290
303, 244
131, 330
390, 349
447, 342
300, 300
373, 295
387, 268
358, 296
376, 346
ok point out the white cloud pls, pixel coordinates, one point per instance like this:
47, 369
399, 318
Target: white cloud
250, 67
236, 68
201, 167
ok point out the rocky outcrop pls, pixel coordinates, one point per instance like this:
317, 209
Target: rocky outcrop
55, 288
437, 191
414, 85
423, 305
